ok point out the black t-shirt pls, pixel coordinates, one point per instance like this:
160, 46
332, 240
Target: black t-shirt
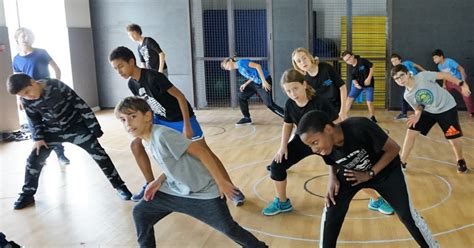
327, 83
362, 148
149, 52
361, 71
293, 112
153, 86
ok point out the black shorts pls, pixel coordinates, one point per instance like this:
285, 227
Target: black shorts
448, 121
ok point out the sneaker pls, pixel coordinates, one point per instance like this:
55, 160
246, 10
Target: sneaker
277, 207
404, 165
269, 168
384, 207
123, 192
24, 201
244, 121
138, 196
400, 117
462, 168
372, 118
380, 205
63, 160
239, 199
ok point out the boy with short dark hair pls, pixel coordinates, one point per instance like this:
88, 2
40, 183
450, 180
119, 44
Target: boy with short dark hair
452, 67
413, 68
360, 155
432, 105
151, 55
58, 115
169, 105
362, 77
191, 183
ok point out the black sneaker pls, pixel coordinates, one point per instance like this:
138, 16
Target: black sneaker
404, 165
462, 168
24, 201
63, 160
400, 117
244, 121
123, 192
372, 118
239, 199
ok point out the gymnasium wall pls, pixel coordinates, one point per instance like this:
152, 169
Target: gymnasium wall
9, 119
82, 50
167, 23
419, 27
290, 30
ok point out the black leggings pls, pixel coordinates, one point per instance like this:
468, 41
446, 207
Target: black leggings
266, 97
297, 150
391, 185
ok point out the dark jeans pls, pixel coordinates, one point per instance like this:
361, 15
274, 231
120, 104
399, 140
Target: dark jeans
297, 150
390, 183
266, 97
80, 136
213, 212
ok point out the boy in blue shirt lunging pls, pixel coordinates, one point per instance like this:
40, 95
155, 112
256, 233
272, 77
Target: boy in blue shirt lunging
452, 67
191, 183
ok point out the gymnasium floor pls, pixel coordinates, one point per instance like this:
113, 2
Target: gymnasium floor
77, 207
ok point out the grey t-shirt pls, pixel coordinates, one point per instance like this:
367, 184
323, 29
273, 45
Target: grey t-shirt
427, 92
186, 176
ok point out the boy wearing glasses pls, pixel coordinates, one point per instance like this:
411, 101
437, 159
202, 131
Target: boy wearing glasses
432, 104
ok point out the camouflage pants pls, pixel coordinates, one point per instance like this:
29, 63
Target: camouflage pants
81, 137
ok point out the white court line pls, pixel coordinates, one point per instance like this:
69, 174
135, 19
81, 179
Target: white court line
448, 195
381, 241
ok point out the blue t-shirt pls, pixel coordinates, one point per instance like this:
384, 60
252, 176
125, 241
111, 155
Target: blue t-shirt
410, 66
248, 72
34, 64
450, 66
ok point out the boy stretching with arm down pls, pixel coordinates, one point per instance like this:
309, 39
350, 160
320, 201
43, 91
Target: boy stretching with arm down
360, 155
169, 105
58, 115
191, 183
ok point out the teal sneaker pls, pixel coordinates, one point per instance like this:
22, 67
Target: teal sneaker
276, 207
374, 204
380, 205
384, 207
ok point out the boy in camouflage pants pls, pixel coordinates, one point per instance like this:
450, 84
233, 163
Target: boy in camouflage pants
58, 115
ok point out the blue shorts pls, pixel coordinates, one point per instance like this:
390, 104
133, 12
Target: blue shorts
369, 93
178, 126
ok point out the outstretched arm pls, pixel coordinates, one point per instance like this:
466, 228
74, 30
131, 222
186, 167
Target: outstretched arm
183, 106
203, 153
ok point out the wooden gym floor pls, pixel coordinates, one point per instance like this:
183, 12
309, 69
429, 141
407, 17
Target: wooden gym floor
77, 207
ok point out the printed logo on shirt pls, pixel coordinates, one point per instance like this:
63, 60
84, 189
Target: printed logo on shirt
357, 160
328, 82
146, 55
424, 96
452, 131
361, 68
155, 106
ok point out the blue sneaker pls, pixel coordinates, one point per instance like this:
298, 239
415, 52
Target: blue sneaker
123, 192
239, 199
380, 205
138, 196
276, 207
